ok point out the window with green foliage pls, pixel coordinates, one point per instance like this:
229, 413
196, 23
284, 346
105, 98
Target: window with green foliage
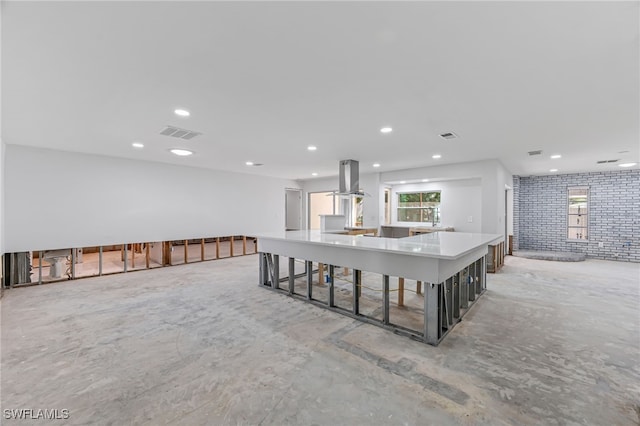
419, 207
578, 213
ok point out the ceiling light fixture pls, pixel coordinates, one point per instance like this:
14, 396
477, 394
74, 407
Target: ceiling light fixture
312, 148
137, 145
181, 112
425, 180
314, 174
556, 156
249, 163
181, 152
376, 165
386, 130
553, 170
627, 164
403, 182
436, 156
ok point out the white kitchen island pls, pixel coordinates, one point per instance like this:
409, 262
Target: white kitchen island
450, 264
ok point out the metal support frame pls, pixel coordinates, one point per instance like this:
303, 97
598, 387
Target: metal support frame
445, 303
275, 272
357, 278
464, 289
385, 299
309, 271
292, 274
431, 323
331, 302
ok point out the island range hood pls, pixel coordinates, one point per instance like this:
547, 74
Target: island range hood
349, 177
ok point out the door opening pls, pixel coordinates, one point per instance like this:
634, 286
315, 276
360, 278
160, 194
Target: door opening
293, 209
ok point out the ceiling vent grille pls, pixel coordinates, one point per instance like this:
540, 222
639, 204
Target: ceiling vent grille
538, 152
177, 132
448, 135
606, 161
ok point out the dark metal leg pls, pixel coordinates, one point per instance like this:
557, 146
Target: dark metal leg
331, 287
431, 313
309, 268
292, 274
471, 281
275, 280
455, 296
385, 299
478, 274
448, 298
464, 289
261, 269
356, 292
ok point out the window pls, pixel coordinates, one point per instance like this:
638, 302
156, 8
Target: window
419, 207
578, 213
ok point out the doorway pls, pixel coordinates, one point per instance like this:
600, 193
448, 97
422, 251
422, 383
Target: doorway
320, 203
293, 209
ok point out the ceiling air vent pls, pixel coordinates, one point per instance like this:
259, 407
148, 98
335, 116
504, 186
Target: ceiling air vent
606, 161
538, 152
448, 135
177, 132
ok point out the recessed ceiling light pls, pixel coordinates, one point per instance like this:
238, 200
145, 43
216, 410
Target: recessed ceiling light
403, 182
249, 163
556, 156
436, 156
312, 148
137, 145
182, 112
314, 174
386, 130
181, 152
553, 170
376, 165
627, 164
425, 180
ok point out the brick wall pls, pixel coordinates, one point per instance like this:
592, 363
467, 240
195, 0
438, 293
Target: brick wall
540, 214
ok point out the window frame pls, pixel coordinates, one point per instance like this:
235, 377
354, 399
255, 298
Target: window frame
569, 214
437, 212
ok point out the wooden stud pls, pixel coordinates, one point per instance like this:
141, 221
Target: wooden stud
320, 273
217, 247
244, 244
418, 287
400, 291
345, 271
231, 246
133, 256
147, 253
186, 251
166, 253
202, 249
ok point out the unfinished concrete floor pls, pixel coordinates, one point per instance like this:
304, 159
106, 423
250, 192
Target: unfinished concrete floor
549, 343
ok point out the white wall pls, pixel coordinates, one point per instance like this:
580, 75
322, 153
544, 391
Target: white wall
459, 199
493, 178
369, 183
56, 199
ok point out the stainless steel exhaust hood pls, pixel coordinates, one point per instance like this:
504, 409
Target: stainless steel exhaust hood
349, 178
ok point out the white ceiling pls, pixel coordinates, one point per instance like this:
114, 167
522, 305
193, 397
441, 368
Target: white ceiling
265, 80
